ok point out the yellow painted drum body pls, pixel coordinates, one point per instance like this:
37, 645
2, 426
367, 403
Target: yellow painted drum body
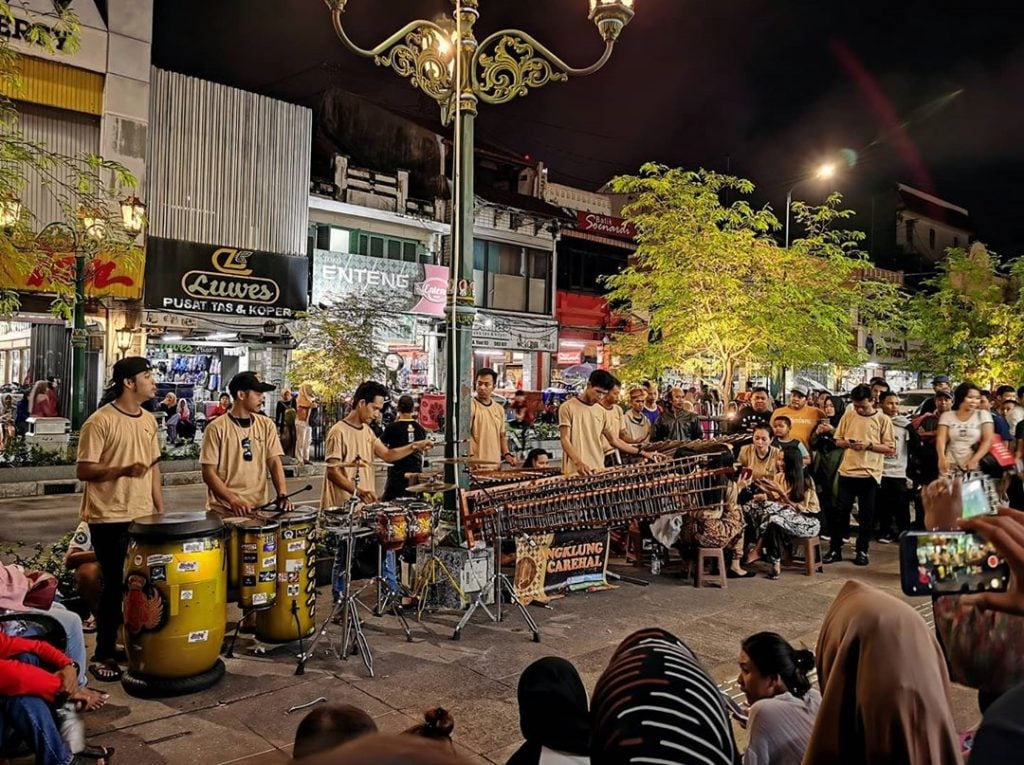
175, 594
292, 615
233, 543
257, 561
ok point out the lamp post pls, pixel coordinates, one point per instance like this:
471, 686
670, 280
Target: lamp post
823, 173
445, 61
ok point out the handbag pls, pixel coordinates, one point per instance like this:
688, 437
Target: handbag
998, 459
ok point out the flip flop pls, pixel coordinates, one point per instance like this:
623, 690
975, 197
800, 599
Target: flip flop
92, 753
105, 671
89, 625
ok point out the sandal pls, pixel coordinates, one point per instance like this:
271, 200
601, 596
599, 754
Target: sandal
89, 625
92, 754
106, 671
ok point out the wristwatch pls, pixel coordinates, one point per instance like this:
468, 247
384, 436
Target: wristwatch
506, 454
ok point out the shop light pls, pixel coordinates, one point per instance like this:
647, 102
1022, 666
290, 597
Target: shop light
133, 215
173, 338
93, 221
221, 336
10, 211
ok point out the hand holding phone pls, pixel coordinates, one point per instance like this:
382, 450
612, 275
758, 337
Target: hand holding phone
1005, 531
949, 562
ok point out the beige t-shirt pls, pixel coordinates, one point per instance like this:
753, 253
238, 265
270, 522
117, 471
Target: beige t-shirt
587, 424
613, 419
759, 468
111, 437
488, 426
875, 429
637, 429
223, 448
344, 443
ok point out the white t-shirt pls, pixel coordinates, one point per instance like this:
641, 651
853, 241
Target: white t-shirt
780, 729
963, 436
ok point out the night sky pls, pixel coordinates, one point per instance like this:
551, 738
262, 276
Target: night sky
928, 93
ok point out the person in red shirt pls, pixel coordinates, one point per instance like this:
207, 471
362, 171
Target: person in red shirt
34, 676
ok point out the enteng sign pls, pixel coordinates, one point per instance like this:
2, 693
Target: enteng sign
604, 224
419, 288
228, 281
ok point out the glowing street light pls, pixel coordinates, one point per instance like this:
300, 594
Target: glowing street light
824, 172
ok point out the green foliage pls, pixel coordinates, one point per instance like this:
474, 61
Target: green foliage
40, 557
718, 292
969, 319
17, 453
82, 185
339, 345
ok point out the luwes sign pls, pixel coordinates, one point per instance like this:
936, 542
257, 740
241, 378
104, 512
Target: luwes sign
227, 281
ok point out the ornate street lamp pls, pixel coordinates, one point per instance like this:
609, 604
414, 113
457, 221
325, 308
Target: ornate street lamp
124, 339
10, 212
133, 215
445, 61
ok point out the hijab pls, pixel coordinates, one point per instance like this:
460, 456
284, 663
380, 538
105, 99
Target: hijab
884, 686
553, 711
840, 409
656, 704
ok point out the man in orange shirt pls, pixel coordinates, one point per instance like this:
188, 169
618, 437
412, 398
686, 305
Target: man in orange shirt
803, 418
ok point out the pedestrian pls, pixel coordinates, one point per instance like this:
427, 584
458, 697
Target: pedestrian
40, 403
782, 429
404, 430
677, 423
651, 408
965, 433
118, 453
304, 407
554, 716
757, 412
867, 437
939, 383
802, 418
893, 504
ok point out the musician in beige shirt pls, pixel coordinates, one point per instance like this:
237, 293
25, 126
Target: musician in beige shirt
583, 427
239, 448
487, 437
350, 440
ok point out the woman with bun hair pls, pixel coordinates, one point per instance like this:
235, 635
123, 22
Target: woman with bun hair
783, 705
437, 725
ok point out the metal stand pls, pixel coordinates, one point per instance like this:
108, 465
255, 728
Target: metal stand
430, 573
501, 585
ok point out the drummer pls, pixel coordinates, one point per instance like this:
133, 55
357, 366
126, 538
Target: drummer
118, 453
351, 440
238, 450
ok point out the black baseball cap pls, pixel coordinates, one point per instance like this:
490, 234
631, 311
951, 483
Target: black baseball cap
940, 379
943, 394
130, 366
248, 381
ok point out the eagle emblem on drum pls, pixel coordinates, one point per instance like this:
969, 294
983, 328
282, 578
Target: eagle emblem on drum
144, 607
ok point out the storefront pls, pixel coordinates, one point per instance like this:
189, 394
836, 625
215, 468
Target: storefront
415, 291
517, 347
214, 311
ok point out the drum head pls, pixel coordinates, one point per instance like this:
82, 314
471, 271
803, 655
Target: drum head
291, 518
262, 525
176, 526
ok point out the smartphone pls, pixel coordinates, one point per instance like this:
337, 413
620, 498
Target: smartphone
945, 562
975, 499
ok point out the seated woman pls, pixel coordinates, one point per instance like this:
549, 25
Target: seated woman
554, 715
169, 406
779, 510
759, 457
186, 429
783, 705
537, 458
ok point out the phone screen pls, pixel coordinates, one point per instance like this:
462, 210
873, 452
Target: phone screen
949, 562
975, 499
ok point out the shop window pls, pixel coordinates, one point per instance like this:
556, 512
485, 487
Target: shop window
511, 277
376, 247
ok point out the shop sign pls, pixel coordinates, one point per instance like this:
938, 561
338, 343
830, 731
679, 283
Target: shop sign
604, 224
564, 560
568, 358
106, 276
226, 281
27, 25
514, 333
419, 288
168, 320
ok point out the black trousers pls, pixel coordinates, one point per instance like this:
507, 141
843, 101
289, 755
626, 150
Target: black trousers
110, 541
864, 491
893, 505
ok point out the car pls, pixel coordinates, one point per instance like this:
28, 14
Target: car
911, 400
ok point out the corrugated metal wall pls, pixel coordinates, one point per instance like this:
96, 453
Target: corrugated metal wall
63, 132
54, 84
227, 167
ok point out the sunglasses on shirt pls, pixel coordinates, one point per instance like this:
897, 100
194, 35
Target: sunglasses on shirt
247, 449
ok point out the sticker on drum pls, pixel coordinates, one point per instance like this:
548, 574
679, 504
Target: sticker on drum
249, 557
249, 581
186, 594
270, 545
200, 636
282, 577
293, 590
249, 569
138, 560
188, 566
158, 574
292, 576
294, 565
192, 547
288, 534
259, 598
159, 560
249, 547
270, 562
267, 576
296, 545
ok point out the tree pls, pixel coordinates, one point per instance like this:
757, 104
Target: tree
968, 318
719, 291
340, 344
87, 189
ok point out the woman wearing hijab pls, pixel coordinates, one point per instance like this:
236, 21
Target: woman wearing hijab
884, 686
553, 715
656, 704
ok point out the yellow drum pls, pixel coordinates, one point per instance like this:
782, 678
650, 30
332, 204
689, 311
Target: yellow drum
175, 598
234, 552
292, 615
257, 561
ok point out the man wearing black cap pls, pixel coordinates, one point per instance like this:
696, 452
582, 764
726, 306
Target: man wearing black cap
802, 417
939, 383
238, 450
117, 455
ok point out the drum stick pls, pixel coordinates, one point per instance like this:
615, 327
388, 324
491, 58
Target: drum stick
307, 487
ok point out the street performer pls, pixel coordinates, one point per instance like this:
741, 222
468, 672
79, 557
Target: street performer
584, 428
238, 450
352, 440
488, 439
118, 453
